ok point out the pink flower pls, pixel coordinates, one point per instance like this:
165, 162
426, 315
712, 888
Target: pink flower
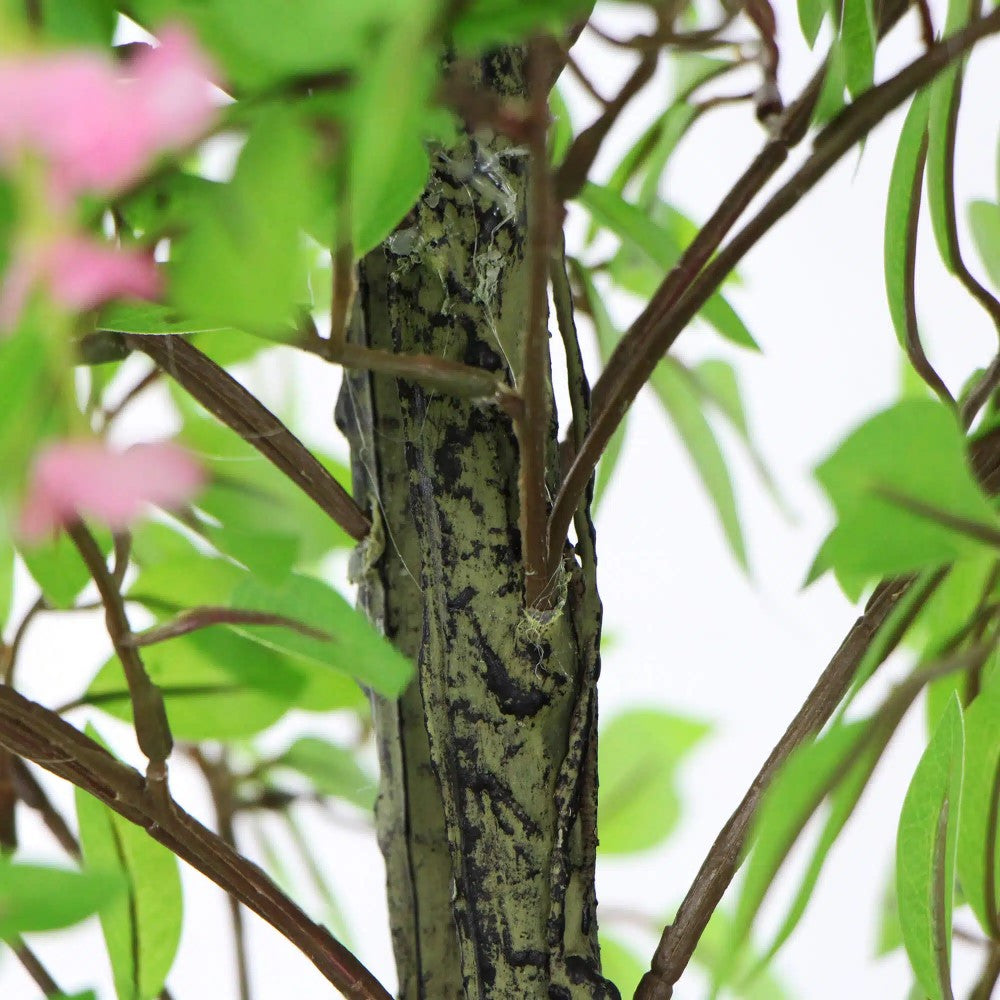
94, 129
79, 272
72, 479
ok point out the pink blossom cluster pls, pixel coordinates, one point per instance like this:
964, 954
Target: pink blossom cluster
94, 130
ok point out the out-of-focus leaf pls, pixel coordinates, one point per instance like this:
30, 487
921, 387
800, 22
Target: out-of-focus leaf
41, 898
683, 407
902, 204
676, 121
621, 964
142, 927
945, 93
795, 794
978, 860
660, 236
925, 855
811, 14
242, 262
58, 569
355, 649
890, 934
858, 39
561, 129
831, 97
216, 685
184, 581
332, 770
482, 24
247, 494
78, 22
641, 751
984, 222
914, 450
388, 163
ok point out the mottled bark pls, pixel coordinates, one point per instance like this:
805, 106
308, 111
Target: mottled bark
487, 808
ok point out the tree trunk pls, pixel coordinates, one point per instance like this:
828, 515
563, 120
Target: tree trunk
487, 809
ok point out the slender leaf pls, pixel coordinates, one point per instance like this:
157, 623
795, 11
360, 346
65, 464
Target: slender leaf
984, 222
683, 407
902, 204
142, 928
641, 751
858, 38
485, 23
978, 860
925, 855
945, 94
58, 569
811, 14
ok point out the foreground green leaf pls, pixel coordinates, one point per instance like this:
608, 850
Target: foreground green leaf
142, 927
978, 852
925, 855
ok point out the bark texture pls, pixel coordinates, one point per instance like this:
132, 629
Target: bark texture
487, 809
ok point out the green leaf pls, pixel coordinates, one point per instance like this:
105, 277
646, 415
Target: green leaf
984, 222
486, 23
247, 493
621, 964
142, 928
79, 22
858, 38
388, 164
561, 127
675, 123
58, 569
978, 861
945, 94
914, 450
683, 407
925, 855
151, 318
332, 769
41, 898
831, 97
811, 14
242, 263
640, 751
355, 650
902, 206
216, 685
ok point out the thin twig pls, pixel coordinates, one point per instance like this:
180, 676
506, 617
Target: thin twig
152, 730
695, 278
219, 779
37, 734
111, 414
32, 794
241, 411
532, 429
194, 619
33, 966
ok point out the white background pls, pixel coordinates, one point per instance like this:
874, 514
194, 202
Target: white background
690, 631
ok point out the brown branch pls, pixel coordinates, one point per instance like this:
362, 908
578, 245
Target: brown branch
725, 856
579, 158
695, 277
33, 966
37, 734
31, 793
241, 411
532, 427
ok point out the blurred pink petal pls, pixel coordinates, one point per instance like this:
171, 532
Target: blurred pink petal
94, 129
83, 273
73, 479
79, 273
